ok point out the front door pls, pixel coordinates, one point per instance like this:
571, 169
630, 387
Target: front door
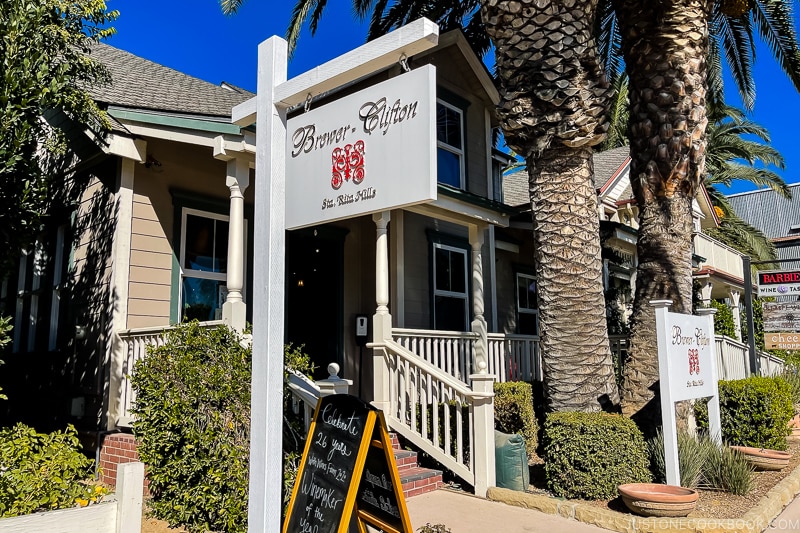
315, 294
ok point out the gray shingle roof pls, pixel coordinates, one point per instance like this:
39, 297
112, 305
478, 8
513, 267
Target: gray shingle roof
515, 188
142, 84
607, 163
768, 212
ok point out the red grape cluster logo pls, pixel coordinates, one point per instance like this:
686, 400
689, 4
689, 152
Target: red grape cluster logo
348, 162
694, 362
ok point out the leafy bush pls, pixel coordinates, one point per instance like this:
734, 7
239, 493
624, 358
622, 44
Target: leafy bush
791, 375
587, 455
41, 472
192, 427
723, 319
753, 412
193, 423
703, 464
513, 411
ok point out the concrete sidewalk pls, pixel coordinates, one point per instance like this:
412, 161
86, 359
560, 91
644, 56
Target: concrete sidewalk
464, 513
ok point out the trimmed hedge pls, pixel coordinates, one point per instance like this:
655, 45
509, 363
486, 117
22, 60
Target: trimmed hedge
587, 455
513, 412
753, 412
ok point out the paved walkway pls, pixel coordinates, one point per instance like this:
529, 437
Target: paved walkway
464, 513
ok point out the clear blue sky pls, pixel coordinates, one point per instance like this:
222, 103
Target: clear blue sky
194, 37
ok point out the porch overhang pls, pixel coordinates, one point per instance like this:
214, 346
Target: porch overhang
465, 209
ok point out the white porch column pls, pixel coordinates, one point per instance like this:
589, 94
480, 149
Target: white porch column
737, 317
238, 179
480, 363
382, 320
705, 293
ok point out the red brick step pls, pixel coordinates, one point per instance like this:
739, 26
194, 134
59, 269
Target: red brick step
415, 479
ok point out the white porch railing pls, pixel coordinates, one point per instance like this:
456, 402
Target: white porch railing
511, 357
449, 351
432, 409
305, 394
134, 348
514, 357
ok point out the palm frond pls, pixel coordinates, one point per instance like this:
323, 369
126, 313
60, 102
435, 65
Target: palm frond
300, 13
775, 21
735, 36
618, 114
740, 235
230, 7
609, 39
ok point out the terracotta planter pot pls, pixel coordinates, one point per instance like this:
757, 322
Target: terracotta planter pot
763, 458
654, 499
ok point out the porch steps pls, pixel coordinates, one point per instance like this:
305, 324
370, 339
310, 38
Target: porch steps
415, 479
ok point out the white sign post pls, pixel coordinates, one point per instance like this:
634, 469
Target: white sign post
687, 369
275, 94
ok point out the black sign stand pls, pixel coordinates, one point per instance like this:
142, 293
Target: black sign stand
348, 466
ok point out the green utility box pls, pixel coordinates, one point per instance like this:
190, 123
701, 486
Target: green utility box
511, 462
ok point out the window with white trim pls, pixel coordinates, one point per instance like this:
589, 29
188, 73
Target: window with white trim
527, 307
204, 264
450, 298
450, 138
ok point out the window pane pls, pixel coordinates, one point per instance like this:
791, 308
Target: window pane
221, 247
448, 168
458, 275
199, 243
451, 313
442, 265
526, 292
200, 298
448, 126
528, 324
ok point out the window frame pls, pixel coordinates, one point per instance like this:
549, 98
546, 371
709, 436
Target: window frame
203, 274
435, 291
525, 310
459, 152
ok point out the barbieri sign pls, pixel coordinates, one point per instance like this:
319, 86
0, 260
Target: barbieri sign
779, 283
368, 152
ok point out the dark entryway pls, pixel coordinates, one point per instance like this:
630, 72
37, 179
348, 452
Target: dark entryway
315, 294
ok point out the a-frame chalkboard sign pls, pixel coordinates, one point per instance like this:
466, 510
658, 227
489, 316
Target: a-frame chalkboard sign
347, 470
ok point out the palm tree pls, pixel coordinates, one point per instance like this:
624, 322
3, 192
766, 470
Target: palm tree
553, 110
665, 46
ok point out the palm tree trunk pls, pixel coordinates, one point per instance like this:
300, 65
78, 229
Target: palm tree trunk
554, 101
665, 44
577, 365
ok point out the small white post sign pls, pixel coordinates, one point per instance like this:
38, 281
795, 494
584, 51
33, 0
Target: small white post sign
687, 369
371, 151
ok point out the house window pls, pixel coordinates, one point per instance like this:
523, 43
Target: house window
58, 282
527, 308
204, 264
450, 308
450, 137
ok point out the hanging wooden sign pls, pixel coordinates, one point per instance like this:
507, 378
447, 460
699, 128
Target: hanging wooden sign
348, 469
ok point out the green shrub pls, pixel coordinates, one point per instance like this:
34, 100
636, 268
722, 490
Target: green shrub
723, 319
513, 411
41, 472
192, 426
753, 412
727, 469
703, 463
791, 375
587, 455
691, 456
